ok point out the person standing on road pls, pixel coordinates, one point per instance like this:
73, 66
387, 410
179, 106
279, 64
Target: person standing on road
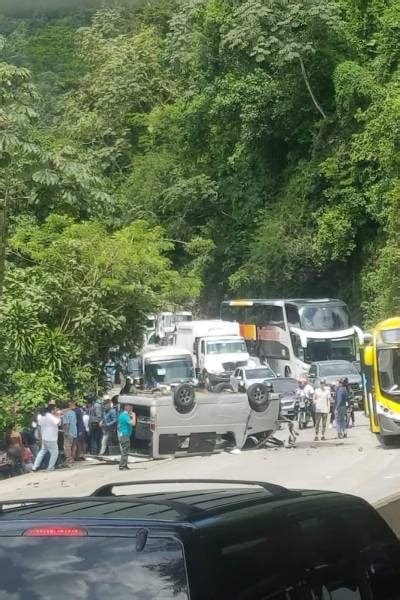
126, 423
80, 442
322, 406
48, 423
342, 398
95, 418
70, 433
110, 422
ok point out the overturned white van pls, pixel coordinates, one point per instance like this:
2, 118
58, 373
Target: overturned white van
185, 422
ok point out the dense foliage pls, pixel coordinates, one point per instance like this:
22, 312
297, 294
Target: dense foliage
183, 151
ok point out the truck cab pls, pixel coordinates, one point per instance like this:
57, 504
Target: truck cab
217, 348
165, 367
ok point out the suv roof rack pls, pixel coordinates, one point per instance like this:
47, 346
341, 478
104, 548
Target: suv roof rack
271, 488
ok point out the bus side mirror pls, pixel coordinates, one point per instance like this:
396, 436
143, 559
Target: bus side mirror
369, 356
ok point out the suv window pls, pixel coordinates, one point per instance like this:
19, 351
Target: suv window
92, 568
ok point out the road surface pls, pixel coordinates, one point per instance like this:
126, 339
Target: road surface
358, 465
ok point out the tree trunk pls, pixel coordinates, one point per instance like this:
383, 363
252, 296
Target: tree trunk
309, 88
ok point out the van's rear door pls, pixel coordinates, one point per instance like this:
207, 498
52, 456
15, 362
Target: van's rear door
42, 565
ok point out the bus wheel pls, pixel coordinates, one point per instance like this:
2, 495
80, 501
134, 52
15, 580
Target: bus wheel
288, 372
389, 441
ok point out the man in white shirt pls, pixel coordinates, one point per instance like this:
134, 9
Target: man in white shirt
322, 405
48, 424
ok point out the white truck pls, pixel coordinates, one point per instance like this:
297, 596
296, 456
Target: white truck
216, 346
165, 366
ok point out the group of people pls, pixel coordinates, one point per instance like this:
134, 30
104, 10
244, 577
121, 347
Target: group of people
327, 403
62, 436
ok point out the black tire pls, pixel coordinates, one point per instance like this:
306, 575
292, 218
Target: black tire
206, 380
221, 387
258, 395
389, 441
184, 398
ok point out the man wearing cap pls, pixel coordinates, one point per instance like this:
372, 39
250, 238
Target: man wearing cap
322, 405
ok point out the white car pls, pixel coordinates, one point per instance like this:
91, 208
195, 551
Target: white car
244, 377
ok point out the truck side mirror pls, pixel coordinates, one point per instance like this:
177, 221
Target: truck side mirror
369, 356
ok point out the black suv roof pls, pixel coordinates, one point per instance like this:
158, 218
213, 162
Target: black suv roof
187, 506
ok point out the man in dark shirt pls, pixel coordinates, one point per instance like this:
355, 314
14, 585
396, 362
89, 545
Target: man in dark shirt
342, 398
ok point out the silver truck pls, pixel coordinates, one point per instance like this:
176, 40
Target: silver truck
185, 422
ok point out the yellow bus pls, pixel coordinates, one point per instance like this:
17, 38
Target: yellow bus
381, 373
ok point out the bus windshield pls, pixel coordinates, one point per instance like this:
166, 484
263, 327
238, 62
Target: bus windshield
337, 349
324, 318
169, 371
389, 370
226, 347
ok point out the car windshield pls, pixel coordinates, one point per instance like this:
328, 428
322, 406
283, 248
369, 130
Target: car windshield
324, 318
226, 347
389, 370
169, 371
263, 373
335, 369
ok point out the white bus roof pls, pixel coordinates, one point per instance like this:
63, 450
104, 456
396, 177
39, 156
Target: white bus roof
277, 301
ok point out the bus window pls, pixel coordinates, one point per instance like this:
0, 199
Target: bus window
292, 315
297, 347
233, 313
266, 315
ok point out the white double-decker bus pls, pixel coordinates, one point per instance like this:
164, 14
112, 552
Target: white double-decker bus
290, 334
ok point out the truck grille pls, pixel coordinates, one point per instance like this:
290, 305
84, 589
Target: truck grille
231, 366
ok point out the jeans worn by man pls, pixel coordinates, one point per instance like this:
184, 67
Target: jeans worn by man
52, 448
340, 418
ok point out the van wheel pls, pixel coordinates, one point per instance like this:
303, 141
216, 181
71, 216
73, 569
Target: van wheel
258, 395
288, 372
221, 387
184, 398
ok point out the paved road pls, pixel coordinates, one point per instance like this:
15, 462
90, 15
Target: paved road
357, 465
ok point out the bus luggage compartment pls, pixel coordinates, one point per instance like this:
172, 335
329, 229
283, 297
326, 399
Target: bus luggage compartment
185, 422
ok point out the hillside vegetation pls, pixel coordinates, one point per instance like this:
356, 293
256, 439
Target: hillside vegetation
187, 151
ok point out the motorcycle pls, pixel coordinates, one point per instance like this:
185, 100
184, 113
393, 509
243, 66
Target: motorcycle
350, 413
304, 412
